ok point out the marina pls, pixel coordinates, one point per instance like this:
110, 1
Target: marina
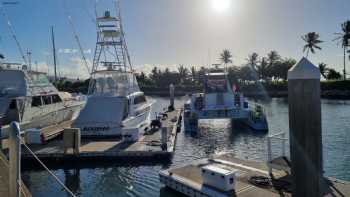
86, 122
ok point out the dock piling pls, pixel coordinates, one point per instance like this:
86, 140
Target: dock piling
15, 161
305, 129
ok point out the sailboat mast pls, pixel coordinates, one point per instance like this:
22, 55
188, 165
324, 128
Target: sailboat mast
54, 52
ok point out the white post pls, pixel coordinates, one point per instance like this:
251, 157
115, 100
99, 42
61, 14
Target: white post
305, 131
269, 156
283, 144
15, 160
172, 93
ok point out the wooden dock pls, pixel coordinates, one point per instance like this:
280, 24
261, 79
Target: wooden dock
99, 151
4, 179
188, 180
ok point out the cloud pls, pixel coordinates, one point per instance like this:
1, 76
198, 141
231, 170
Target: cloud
73, 51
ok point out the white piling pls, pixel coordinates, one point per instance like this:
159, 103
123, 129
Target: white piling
305, 129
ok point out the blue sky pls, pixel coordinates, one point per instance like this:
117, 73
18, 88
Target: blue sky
171, 32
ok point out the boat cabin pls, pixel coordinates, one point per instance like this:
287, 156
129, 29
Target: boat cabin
219, 176
23, 94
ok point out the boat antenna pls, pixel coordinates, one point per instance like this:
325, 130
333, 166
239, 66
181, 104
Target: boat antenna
54, 52
11, 31
79, 44
29, 55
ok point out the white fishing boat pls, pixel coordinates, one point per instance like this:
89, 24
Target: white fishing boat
115, 102
220, 101
29, 98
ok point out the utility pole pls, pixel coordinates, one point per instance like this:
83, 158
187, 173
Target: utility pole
29, 54
54, 52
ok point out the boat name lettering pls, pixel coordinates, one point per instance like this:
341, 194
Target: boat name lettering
95, 128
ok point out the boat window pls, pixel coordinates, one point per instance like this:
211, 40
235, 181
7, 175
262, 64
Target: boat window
215, 86
231, 180
56, 99
47, 100
139, 99
36, 101
126, 109
13, 104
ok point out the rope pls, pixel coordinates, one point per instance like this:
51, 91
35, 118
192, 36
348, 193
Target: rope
47, 169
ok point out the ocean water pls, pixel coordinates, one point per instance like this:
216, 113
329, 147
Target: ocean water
214, 137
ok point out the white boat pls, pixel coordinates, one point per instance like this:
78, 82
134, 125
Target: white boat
115, 102
220, 101
29, 98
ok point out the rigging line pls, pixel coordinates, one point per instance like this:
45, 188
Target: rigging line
70, 20
79, 44
47, 169
93, 20
9, 26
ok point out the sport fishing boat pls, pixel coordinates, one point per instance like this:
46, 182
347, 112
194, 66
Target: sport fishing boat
115, 102
29, 98
220, 101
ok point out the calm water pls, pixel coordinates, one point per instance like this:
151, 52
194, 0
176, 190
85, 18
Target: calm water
215, 137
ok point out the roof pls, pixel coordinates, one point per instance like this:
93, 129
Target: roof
304, 69
217, 73
220, 169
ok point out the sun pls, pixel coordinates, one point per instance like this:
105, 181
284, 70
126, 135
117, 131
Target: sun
221, 5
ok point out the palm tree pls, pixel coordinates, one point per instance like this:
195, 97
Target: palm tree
311, 39
226, 57
273, 57
323, 69
193, 72
253, 60
344, 38
183, 72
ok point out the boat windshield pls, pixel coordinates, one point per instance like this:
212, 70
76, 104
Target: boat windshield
216, 84
111, 83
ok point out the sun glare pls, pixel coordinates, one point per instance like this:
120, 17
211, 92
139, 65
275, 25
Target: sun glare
221, 5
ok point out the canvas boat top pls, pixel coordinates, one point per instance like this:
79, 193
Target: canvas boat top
22, 83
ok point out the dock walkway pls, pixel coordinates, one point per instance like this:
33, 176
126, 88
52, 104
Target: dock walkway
188, 180
146, 149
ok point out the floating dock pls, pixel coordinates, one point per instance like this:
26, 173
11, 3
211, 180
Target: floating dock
188, 180
146, 149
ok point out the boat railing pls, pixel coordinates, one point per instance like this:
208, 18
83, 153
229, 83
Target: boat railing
257, 108
277, 138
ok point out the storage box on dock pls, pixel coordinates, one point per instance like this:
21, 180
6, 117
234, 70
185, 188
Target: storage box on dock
219, 176
33, 136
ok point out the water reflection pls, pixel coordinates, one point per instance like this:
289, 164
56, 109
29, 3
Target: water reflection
214, 137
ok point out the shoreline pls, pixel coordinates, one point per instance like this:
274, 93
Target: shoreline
325, 94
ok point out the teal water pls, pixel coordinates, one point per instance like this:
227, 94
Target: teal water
214, 137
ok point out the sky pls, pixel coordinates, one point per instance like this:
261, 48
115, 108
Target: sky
166, 33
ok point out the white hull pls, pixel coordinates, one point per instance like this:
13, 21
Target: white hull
114, 128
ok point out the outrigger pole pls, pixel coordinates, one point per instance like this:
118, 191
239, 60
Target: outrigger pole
9, 26
54, 52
